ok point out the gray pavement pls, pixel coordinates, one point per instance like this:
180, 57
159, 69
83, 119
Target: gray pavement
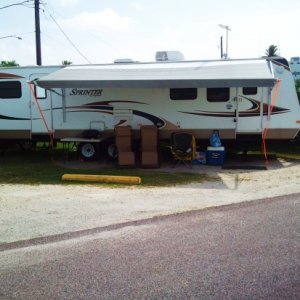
241, 251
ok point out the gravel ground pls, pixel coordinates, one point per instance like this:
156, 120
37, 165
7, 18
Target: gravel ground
32, 211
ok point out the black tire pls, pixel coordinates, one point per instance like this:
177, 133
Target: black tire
87, 151
109, 149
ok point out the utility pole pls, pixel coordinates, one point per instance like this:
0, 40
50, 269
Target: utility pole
37, 33
221, 46
226, 27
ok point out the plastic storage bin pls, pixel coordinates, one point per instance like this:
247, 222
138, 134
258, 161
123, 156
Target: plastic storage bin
215, 156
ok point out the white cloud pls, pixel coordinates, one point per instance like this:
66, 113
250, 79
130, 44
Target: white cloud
136, 29
103, 21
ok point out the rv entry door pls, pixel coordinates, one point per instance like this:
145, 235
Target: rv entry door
249, 108
43, 107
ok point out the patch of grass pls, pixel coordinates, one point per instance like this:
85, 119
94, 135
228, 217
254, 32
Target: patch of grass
287, 150
36, 167
158, 178
28, 168
290, 151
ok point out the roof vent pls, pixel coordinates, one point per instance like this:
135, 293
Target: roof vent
123, 61
169, 56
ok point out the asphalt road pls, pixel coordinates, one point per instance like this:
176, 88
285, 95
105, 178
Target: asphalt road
243, 251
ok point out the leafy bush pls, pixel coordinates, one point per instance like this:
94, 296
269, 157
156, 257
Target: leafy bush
297, 84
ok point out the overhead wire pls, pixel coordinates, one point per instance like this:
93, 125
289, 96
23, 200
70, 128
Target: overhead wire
66, 36
79, 52
31, 4
90, 33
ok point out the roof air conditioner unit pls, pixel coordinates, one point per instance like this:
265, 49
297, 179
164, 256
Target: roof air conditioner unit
169, 56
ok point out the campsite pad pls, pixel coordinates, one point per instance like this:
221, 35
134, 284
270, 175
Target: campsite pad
247, 162
62, 211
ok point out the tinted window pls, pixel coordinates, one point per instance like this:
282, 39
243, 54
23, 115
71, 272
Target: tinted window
217, 94
183, 94
10, 89
250, 90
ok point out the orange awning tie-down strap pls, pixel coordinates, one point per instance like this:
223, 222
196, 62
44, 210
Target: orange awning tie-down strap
42, 115
265, 131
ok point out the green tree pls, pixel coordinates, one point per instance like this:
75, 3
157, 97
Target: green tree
272, 51
9, 63
297, 85
66, 62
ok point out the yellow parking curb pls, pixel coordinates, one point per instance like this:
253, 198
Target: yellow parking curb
102, 178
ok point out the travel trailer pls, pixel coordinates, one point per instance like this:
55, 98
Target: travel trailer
20, 113
244, 99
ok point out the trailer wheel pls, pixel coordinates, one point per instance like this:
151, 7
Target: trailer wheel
112, 151
109, 149
87, 151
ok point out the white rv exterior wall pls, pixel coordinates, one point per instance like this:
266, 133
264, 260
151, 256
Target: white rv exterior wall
20, 117
104, 108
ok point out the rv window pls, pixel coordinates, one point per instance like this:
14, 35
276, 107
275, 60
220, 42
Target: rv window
217, 94
250, 90
40, 93
183, 94
10, 89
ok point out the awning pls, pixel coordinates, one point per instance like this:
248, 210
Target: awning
224, 73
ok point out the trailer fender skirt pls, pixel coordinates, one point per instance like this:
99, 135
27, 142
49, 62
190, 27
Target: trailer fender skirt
102, 178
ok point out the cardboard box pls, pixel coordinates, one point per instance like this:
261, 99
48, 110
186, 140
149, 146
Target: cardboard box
215, 156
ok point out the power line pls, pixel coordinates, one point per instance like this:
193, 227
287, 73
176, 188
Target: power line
28, 32
69, 39
66, 36
32, 4
35, 4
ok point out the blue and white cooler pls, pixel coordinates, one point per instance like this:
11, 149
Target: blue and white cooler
215, 156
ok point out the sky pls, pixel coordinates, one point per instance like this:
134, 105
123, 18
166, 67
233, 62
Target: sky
100, 31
